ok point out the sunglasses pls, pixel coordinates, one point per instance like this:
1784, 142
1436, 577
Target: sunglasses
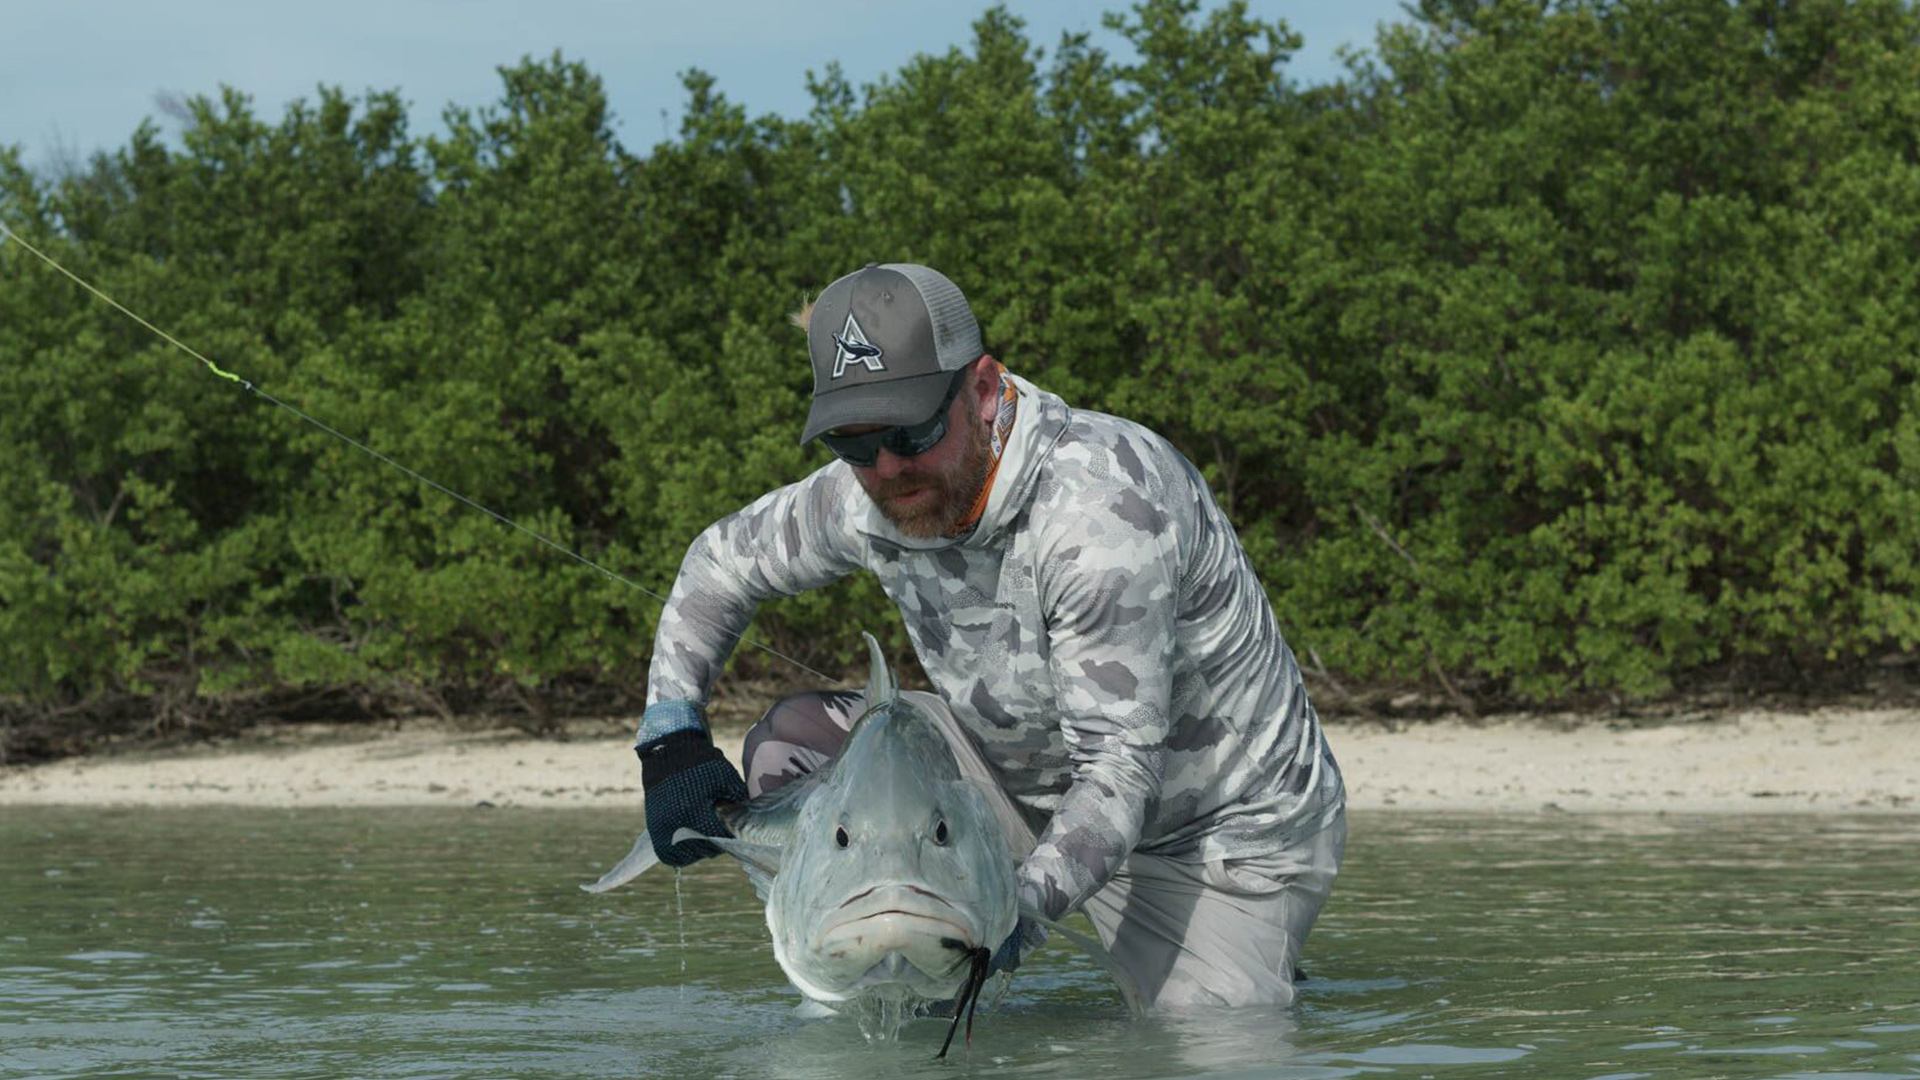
905, 440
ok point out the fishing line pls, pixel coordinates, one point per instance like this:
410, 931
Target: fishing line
8, 234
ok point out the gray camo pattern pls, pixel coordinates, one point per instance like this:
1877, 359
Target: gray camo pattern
1101, 634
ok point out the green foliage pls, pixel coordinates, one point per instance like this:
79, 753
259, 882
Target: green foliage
1559, 348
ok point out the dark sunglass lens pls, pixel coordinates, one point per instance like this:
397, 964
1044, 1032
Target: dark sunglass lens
920, 438
861, 450
907, 440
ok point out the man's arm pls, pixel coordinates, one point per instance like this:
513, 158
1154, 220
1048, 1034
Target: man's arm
790, 540
797, 538
1111, 594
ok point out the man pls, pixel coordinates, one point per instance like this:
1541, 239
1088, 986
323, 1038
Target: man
1084, 608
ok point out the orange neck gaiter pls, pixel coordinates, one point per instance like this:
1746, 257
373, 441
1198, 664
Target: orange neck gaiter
1002, 427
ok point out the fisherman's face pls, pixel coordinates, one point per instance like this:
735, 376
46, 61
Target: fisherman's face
925, 496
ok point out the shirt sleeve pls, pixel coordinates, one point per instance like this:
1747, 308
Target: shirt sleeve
1110, 590
797, 538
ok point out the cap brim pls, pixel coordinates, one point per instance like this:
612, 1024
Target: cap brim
890, 403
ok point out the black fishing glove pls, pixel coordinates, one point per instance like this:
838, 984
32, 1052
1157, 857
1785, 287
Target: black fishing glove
684, 775
1027, 936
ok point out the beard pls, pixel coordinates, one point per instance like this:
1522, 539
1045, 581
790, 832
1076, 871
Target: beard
954, 491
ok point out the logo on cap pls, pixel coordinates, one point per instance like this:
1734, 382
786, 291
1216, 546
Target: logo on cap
851, 346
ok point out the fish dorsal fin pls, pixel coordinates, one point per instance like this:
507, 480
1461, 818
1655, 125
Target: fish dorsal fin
881, 689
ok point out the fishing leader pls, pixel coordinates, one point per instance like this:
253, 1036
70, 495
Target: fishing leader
1084, 608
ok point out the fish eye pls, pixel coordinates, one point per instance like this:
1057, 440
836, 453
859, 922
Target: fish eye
940, 834
840, 836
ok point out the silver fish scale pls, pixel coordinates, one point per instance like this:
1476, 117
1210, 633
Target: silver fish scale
1101, 635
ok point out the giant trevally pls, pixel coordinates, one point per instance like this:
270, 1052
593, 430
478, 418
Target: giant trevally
888, 873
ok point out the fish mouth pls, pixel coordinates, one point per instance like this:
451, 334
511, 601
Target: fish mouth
898, 911
903, 886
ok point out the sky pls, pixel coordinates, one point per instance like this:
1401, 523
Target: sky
77, 76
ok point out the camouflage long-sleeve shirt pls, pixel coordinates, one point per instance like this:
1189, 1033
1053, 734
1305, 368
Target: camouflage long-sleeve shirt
1100, 632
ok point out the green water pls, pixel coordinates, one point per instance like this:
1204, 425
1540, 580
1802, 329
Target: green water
431, 943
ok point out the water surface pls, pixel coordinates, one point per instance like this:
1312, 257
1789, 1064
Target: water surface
453, 943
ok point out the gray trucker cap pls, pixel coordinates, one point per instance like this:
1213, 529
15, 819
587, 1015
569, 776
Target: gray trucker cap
885, 341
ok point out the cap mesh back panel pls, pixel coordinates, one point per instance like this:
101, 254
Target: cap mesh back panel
956, 335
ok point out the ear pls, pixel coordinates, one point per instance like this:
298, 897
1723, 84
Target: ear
984, 393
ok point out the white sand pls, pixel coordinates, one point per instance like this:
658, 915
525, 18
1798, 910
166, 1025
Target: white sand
1823, 761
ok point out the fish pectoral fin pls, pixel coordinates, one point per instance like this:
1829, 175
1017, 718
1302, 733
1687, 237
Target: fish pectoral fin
769, 818
640, 859
809, 1009
760, 861
762, 857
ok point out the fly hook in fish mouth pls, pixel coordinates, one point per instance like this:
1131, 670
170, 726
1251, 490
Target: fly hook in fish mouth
969, 999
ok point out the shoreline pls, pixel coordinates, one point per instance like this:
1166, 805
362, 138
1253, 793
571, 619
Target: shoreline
1823, 761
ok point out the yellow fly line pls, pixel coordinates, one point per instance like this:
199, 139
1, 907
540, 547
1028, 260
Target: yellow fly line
7, 233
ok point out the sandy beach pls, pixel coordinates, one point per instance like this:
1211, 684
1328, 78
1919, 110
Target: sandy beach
1820, 761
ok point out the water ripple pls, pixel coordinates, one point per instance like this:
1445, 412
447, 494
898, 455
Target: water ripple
449, 943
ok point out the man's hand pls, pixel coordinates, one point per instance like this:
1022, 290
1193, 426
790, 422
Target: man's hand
1027, 936
684, 775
